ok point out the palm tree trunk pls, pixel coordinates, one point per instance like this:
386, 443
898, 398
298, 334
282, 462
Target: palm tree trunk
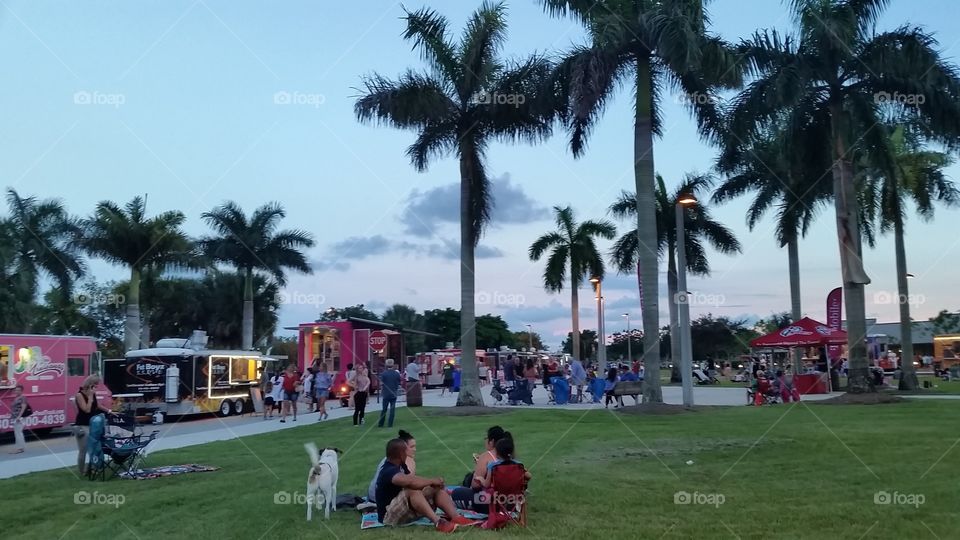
675, 376
469, 374
908, 373
647, 231
131, 327
247, 328
854, 277
575, 317
793, 256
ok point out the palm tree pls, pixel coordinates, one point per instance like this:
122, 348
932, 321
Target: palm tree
917, 175
42, 239
649, 45
468, 98
252, 245
574, 255
127, 237
699, 227
787, 171
838, 68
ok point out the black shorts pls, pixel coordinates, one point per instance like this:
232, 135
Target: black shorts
268, 400
448, 383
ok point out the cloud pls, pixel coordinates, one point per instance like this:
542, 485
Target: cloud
537, 314
357, 248
427, 210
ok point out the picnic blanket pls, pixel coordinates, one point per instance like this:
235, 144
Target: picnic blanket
369, 519
167, 470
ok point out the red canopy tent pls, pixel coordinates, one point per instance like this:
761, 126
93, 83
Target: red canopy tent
803, 333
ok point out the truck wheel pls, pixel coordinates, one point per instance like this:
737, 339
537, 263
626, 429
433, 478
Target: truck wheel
344, 402
226, 407
238, 406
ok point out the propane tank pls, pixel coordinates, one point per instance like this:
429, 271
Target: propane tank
173, 384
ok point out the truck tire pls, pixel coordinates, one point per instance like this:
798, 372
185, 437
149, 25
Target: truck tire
226, 407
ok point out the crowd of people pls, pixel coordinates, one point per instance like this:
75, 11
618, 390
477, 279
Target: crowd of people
401, 496
522, 375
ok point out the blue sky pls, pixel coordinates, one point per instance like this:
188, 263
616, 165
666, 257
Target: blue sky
198, 102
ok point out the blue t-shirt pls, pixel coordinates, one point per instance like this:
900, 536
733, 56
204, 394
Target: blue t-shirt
386, 489
322, 381
391, 383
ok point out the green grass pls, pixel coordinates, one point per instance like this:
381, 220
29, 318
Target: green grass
807, 471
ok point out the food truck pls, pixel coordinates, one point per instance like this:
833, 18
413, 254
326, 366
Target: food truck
946, 350
182, 377
51, 370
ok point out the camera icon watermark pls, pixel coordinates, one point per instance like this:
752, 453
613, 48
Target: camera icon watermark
97, 299
884, 298
297, 298
86, 97
883, 98
499, 499
296, 497
110, 499
695, 298
697, 98
900, 499
496, 298
283, 97
496, 98
707, 499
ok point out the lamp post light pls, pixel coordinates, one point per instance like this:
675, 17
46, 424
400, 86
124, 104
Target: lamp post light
530, 336
629, 338
683, 303
601, 332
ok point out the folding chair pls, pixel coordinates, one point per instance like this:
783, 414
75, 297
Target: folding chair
507, 494
122, 446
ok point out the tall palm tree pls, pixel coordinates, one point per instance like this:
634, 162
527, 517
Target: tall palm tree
918, 176
468, 98
788, 171
126, 236
573, 255
43, 239
252, 245
699, 228
838, 67
650, 45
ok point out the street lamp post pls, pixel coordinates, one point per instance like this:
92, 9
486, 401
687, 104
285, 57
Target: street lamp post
629, 339
601, 331
530, 336
683, 304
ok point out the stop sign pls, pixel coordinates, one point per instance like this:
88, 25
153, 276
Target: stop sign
378, 341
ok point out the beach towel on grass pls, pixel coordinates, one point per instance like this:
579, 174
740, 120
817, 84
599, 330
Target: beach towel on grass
369, 520
167, 470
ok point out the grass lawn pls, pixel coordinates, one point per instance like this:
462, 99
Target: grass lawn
802, 471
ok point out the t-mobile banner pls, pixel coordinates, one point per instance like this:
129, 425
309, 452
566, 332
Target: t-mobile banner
834, 315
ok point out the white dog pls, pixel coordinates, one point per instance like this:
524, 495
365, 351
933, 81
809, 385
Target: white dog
322, 480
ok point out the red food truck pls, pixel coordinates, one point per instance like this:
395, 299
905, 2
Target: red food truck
51, 370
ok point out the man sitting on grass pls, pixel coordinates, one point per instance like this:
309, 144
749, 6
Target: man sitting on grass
403, 497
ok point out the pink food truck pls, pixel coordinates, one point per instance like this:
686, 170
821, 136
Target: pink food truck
51, 370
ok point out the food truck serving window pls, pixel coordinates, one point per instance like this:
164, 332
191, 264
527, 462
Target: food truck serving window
75, 366
6, 373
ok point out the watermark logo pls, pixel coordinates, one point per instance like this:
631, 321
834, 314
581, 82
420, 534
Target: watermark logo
883, 98
98, 299
497, 298
889, 298
297, 298
109, 499
496, 98
699, 299
707, 499
504, 499
308, 99
697, 98
96, 97
296, 497
900, 499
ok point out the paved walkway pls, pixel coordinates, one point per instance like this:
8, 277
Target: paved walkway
60, 451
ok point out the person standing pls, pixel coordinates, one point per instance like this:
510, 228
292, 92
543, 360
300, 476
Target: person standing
413, 372
360, 396
509, 371
578, 377
321, 384
390, 387
447, 377
290, 394
87, 408
351, 382
16, 418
